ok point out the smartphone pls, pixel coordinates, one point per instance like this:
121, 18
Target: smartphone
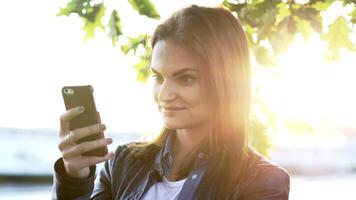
83, 96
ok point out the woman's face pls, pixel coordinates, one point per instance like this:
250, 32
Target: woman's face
177, 87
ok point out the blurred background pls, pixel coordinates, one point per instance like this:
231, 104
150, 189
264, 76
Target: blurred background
304, 113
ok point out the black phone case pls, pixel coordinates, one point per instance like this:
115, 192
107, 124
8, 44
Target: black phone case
83, 96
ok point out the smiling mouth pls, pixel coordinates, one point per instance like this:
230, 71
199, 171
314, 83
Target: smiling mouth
171, 113
171, 110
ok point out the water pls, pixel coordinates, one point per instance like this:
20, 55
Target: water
331, 187
34, 151
25, 191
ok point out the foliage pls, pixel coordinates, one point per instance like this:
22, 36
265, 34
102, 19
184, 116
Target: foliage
114, 26
270, 26
275, 22
142, 67
145, 7
338, 37
258, 137
91, 14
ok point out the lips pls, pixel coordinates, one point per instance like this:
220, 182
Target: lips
171, 111
172, 108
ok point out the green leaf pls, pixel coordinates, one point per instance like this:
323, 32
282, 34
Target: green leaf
134, 42
258, 14
345, 2
143, 67
283, 36
268, 20
114, 26
337, 38
289, 23
353, 16
145, 7
228, 5
312, 15
84, 8
321, 5
283, 12
259, 138
264, 56
251, 34
92, 19
233, 7
90, 13
303, 26
74, 6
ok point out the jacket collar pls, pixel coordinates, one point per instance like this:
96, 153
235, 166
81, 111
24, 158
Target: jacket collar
164, 158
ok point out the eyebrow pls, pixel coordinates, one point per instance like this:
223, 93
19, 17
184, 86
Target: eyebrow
181, 71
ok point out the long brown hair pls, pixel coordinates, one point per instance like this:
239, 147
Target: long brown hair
218, 40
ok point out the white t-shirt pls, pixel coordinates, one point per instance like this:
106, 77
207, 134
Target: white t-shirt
164, 190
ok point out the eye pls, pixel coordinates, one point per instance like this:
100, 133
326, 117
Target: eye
157, 78
187, 79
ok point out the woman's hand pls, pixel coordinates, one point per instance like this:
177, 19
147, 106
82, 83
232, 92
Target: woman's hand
75, 164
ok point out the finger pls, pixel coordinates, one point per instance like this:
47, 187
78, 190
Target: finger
67, 141
72, 137
86, 161
91, 160
80, 133
77, 150
67, 116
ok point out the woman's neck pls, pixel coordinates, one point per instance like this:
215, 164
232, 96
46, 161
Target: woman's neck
184, 141
187, 139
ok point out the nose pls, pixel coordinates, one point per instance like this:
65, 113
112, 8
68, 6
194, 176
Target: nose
166, 92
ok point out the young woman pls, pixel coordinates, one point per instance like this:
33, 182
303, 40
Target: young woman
201, 70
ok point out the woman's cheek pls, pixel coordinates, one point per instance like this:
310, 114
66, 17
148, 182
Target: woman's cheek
155, 93
192, 95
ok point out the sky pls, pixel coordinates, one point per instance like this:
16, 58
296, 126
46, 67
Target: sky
40, 53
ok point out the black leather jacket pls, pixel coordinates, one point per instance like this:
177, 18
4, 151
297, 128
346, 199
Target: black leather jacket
128, 176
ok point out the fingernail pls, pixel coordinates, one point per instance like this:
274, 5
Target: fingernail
81, 108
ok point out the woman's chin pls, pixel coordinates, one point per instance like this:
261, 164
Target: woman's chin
173, 124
